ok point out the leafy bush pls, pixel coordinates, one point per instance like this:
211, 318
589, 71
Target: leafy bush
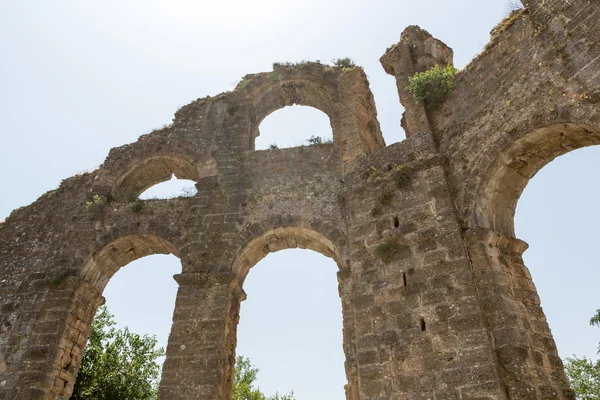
401, 175
385, 198
391, 249
433, 86
345, 63
373, 173
273, 146
96, 205
315, 140
137, 206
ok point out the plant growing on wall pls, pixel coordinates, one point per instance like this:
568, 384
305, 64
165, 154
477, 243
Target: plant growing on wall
345, 63
315, 140
433, 86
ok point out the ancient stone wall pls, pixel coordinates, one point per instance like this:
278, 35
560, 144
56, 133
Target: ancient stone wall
436, 300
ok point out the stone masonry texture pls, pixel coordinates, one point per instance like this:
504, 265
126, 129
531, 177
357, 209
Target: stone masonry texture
437, 303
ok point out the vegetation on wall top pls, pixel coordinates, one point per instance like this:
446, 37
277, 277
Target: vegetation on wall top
433, 86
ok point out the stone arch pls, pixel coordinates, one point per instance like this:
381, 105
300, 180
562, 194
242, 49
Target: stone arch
279, 239
326, 242
343, 95
290, 92
156, 169
505, 179
504, 284
87, 297
100, 267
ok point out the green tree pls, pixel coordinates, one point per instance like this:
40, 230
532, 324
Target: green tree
243, 383
117, 364
583, 373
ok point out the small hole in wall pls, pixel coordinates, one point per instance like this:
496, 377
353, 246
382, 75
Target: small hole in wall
423, 328
404, 279
396, 222
389, 167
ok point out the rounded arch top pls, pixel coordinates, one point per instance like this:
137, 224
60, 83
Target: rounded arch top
280, 239
102, 265
290, 92
495, 199
343, 94
156, 169
307, 84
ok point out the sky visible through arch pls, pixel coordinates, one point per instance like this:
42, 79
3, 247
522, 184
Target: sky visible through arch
78, 78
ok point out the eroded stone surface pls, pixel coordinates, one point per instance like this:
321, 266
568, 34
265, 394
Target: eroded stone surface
437, 303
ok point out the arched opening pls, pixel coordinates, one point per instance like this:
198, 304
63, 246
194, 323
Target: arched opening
142, 295
510, 172
159, 169
300, 92
292, 317
291, 325
556, 216
294, 126
138, 296
522, 338
170, 189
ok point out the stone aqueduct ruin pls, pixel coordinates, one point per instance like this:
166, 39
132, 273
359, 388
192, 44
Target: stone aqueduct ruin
437, 303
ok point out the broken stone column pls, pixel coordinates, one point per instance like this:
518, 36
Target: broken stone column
417, 51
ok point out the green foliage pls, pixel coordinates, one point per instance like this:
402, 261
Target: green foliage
273, 146
386, 251
433, 86
583, 373
385, 198
401, 175
376, 211
345, 63
56, 281
117, 364
137, 206
315, 140
391, 249
595, 320
96, 205
243, 383
244, 84
373, 173
287, 64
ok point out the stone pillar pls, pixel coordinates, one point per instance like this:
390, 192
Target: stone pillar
201, 349
359, 128
345, 288
417, 51
44, 344
526, 353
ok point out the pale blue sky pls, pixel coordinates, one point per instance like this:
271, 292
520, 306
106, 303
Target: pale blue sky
77, 78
